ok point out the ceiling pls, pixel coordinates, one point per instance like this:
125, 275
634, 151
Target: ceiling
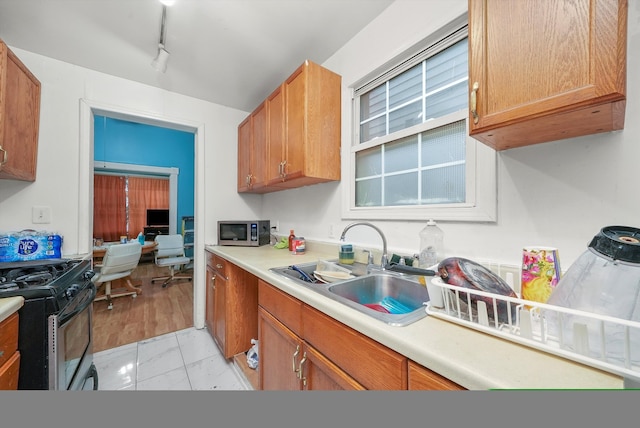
229, 52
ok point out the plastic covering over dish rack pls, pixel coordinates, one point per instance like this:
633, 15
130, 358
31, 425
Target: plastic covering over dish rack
603, 342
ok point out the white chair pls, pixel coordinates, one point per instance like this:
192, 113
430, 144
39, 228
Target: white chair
170, 253
119, 261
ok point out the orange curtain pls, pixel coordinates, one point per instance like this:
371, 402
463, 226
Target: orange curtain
145, 193
109, 210
110, 204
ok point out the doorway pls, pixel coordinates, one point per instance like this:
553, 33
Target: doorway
88, 111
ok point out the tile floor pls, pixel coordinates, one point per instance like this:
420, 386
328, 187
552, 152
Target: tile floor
184, 360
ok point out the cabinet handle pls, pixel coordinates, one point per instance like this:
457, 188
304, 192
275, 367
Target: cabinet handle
213, 282
5, 156
249, 177
295, 354
218, 266
300, 371
474, 110
283, 174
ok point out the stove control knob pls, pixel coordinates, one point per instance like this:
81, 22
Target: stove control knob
88, 274
72, 291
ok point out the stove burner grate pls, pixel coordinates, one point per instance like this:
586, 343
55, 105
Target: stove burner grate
33, 274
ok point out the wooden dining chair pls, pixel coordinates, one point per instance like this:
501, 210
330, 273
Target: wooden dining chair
119, 262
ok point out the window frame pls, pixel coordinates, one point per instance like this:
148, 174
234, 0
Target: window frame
481, 160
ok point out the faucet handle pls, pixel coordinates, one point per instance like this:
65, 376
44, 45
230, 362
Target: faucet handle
369, 256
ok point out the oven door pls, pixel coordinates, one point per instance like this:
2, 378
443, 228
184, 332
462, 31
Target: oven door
71, 343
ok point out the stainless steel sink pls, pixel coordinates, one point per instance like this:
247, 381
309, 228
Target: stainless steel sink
393, 291
402, 297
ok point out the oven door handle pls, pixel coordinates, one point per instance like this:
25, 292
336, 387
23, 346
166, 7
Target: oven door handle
85, 297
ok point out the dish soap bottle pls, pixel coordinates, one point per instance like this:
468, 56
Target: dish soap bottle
141, 238
291, 237
431, 244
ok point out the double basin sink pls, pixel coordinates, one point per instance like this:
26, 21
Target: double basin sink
387, 296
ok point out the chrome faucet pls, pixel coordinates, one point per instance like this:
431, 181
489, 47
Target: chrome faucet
385, 258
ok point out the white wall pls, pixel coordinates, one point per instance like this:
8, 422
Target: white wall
556, 194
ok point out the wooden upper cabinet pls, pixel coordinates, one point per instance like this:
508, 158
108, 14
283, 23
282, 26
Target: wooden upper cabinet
312, 126
244, 155
252, 150
545, 70
258, 146
276, 135
298, 139
19, 118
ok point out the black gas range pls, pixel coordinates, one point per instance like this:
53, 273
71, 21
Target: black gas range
55, 323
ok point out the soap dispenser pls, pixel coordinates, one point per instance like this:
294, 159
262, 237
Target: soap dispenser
431, 245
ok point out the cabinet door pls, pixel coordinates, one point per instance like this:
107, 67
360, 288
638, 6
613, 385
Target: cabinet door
244, 155
276, 135
280, 352
209, 303
320, 374
295, 88
219, 311
421, 378
241, 306
258, 146
562, 75
19, 118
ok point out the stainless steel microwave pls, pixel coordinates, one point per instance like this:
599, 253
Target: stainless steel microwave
251, 233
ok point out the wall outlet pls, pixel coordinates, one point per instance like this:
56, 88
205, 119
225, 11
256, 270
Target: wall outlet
333, 230
41, 215
276, 224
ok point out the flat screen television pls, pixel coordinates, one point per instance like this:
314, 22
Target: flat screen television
157, 217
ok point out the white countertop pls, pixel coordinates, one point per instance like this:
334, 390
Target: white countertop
9, 305
468, 357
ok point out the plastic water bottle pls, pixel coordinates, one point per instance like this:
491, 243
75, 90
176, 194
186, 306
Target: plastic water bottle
431, 244
141, 238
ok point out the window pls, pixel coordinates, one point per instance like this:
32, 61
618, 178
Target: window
412, 157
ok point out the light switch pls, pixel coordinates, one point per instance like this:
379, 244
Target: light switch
41, 214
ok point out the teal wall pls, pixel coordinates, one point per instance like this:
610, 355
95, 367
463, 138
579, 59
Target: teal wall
120, 141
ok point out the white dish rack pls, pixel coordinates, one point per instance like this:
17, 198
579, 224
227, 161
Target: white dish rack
580, 336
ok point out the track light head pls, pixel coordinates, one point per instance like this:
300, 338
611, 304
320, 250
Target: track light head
161, 59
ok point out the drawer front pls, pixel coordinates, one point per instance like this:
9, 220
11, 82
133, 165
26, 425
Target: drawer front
286, 309
370, 363
217, 263
8, 337
421, 378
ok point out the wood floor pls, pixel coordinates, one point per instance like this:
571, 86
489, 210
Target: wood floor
154, 312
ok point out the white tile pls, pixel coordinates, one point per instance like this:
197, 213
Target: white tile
117, 368
213, 373
196, 344
174, 380
158, 355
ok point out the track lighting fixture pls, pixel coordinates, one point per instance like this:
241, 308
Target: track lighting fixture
161, 59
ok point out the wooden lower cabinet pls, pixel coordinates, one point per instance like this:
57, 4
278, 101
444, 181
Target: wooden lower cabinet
9, 354
421, 378
327, 356
288, 363
231, 305
369, 362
